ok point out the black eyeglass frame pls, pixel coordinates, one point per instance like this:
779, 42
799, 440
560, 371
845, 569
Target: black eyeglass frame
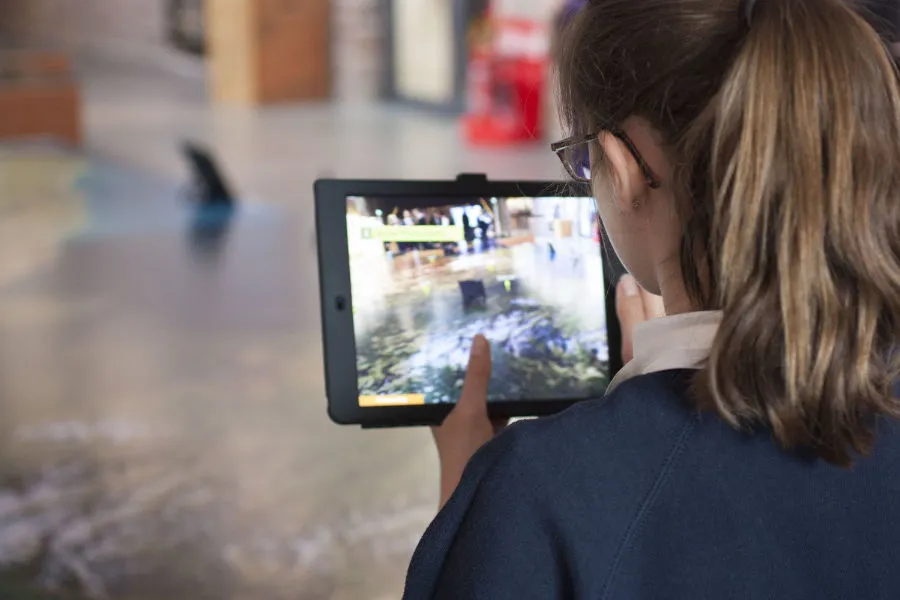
577, 140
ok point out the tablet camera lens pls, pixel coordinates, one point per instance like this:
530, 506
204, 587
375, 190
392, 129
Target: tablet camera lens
340, 303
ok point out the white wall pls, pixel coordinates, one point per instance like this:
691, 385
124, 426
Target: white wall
358, 49
132, 31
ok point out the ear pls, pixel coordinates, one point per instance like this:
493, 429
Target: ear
625, 171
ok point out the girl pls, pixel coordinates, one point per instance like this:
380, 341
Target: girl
745, 158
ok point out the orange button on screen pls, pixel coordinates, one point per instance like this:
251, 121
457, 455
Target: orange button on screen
401, 400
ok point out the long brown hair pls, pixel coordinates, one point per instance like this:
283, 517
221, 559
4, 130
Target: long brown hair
784, 125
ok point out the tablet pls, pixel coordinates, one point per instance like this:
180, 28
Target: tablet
411, 271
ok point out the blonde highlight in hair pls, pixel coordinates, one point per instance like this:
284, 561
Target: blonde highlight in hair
787, 133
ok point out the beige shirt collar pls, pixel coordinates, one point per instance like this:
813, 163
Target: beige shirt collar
676, 342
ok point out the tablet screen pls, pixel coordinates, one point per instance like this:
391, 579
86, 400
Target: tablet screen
428, 274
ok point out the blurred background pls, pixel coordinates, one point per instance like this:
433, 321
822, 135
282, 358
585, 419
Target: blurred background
163, 430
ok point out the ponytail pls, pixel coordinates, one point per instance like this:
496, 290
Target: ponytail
804, 236
786, 130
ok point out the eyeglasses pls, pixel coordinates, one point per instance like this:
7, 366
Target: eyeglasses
574, 152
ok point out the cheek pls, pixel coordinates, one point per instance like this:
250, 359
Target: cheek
630, 246
614, 222
618, 238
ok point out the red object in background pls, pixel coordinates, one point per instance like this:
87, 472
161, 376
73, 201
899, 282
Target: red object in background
506, 80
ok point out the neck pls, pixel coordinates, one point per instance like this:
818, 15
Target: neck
671, 287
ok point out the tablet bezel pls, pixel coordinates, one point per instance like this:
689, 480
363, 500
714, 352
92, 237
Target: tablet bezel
339, 343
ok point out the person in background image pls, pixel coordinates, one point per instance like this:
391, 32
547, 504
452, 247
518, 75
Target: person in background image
745, 160
468, 230
484, 225
406, 221
421, 218
393, 219
443, 219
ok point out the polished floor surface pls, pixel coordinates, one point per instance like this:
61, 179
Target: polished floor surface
164, 431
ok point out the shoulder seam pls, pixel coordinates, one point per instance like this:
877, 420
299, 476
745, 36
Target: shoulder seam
647, 504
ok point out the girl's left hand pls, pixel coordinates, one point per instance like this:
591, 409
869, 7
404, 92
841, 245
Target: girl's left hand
467, 428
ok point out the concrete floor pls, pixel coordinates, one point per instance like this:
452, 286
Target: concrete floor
164, 427
274, 154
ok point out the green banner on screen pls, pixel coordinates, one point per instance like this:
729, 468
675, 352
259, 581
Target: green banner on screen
440, 234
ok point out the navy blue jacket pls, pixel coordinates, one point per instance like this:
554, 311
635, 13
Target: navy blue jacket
638, 496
